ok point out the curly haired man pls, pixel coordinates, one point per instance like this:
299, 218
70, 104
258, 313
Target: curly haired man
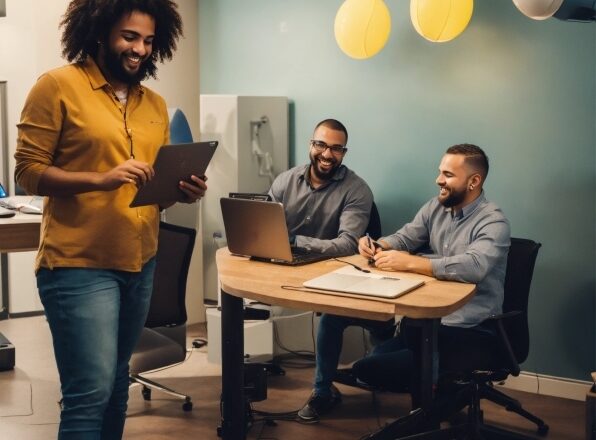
87, 136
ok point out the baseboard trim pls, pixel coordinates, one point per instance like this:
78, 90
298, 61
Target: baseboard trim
548, 385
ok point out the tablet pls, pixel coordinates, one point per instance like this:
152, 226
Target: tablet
173, 164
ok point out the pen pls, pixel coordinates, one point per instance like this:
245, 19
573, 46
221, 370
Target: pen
371, 260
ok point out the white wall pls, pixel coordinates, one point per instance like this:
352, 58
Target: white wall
30, 45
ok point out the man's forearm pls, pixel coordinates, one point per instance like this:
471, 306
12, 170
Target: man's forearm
57, 182
421, 265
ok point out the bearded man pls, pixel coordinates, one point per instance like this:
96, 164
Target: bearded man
327, 209
87, 136
457, 236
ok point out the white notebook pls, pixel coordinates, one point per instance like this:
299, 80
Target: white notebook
349, 280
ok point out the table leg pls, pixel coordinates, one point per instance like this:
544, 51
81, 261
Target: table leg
429, 361
417, 420
233, 422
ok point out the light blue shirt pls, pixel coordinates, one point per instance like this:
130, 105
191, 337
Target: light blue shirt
328, 219
470, 247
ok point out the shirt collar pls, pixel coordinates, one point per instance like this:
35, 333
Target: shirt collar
469, 208
97, 79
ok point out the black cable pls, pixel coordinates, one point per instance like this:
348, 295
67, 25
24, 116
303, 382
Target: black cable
302, 289
355, 266
299, 353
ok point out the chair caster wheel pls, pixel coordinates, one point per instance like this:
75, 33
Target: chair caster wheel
146, 392
543, 430
187, 406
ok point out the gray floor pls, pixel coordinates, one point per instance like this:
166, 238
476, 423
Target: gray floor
29, 395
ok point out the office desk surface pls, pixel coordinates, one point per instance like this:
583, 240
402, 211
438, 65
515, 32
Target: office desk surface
261, 281
241, 277
20, 233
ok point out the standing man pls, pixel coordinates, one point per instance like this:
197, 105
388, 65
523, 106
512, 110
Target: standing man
457, 236
88, 132
327, 208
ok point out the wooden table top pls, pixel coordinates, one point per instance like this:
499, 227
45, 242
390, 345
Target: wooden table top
20, 233
242, 277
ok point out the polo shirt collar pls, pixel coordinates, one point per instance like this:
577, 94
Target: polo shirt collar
96, 78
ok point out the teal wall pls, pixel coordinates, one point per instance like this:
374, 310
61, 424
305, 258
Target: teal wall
523, 90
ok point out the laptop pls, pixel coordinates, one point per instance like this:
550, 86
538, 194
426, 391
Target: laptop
349, 280
258, 229
173, 164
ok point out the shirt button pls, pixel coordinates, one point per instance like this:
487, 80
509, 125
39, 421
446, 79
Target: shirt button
445, 246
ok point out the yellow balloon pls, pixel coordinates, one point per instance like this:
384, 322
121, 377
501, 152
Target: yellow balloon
440, 20
362, 27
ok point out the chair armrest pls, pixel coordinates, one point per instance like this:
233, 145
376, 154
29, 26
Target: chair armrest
503, 315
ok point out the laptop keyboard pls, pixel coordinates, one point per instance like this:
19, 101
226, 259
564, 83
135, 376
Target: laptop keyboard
299, 251
303, 255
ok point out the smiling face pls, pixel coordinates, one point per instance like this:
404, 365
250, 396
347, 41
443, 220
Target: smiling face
325, 163
129, 46
458, 183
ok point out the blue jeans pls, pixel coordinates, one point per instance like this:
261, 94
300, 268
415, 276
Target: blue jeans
394, 364
96, 317
329, 343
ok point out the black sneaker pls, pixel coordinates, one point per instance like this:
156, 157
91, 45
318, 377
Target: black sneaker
317, 405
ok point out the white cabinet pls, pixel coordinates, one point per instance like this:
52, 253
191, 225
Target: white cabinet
253, 148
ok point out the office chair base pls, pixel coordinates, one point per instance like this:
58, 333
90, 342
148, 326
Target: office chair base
148, 385
512, 405
403, 428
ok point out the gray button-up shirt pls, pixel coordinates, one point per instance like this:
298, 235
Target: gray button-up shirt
471, 247
328, 219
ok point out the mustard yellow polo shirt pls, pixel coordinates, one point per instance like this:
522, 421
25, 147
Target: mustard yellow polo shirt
72, 120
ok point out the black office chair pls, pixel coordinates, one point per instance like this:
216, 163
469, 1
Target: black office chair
514, 338
512, 327
374, 223
163, 341
458, 389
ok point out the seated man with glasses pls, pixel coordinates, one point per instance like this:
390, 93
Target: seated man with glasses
327, 209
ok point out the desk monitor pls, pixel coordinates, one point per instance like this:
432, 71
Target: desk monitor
173, 164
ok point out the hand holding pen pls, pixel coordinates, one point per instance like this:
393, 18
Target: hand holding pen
367, 247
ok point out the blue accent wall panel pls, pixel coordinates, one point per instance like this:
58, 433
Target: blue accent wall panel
523, 90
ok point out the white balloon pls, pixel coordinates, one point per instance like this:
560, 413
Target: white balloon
538, 9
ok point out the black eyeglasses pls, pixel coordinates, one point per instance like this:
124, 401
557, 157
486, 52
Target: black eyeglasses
321, 146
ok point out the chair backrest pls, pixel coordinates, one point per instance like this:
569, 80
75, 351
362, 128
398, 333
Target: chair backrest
174, 251
374, 223
520, 268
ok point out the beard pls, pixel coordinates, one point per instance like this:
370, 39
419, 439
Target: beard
320, 173
453, 198
114, 64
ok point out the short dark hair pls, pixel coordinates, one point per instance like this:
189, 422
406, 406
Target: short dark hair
475, 157
333, 124
86, 23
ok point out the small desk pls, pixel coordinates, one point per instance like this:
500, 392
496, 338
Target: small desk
243, 278
17, 234
20, 233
